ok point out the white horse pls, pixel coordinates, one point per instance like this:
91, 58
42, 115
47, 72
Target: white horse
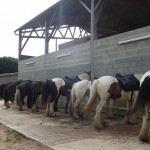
141, 107
107, 88
79, 91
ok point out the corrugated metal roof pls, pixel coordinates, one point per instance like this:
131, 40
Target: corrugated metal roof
116, 16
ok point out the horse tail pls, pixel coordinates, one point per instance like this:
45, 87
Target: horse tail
6, 95
92, 98
73, 98
17, 96
29, 98
45, 91
142, 99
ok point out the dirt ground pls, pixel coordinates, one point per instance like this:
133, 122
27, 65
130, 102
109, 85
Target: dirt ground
12, 140
65, 130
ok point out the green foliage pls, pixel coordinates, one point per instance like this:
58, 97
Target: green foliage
8, 65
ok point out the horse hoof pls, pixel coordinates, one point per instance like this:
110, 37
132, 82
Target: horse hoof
52, 115
35, 110
75, 117
131, 121
66, 112
110, 116
20, 109
7, 105
46, 115
143, 139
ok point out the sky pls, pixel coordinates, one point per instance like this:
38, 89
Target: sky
14, 14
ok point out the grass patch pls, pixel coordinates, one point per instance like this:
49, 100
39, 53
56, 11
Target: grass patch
13, 137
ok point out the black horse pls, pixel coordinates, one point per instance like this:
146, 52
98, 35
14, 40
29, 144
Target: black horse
2, 86
9, 92
23, 90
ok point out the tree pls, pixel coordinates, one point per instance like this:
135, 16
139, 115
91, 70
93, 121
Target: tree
8, 65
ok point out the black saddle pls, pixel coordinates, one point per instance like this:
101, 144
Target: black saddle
70, 81
128, 82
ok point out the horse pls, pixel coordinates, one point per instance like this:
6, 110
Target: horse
51, 91
2, 86
23, 90
9, 92
69, 83
141, 107
79, 91
36, 90
107, 88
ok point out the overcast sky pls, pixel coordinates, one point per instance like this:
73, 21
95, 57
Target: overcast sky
13, 14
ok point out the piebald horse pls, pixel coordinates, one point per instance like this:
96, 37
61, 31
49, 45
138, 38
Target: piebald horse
69, 82
141, 107
50, 95
107, 88
62, 89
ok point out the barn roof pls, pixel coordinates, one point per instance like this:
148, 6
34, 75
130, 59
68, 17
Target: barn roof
114, 16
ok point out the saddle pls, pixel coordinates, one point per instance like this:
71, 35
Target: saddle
70, 81
128, 82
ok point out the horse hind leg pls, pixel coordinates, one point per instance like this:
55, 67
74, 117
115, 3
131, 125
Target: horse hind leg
77, 112
55, 105
145, 131
35, 107
98, 121
67, 103
19, 100
130, 120
47, 109
110, 111
51, 110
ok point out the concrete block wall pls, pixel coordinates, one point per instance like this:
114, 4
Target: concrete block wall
71, 62
131, 57
110, 57
8, 77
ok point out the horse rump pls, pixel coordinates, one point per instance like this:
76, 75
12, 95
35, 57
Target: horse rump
143, 98
2, 86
